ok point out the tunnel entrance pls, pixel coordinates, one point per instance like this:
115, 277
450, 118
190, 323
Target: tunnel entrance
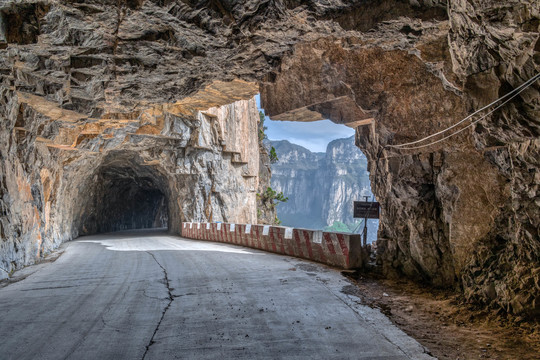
126, 194
129, 201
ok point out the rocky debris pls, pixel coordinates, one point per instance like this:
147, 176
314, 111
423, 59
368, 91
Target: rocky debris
83, 80
442, 323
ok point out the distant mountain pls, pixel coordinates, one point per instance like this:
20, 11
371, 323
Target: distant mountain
321, 186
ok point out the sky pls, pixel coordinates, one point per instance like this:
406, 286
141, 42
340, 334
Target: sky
314, 136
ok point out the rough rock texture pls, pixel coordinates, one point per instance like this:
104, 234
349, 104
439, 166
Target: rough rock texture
463, 212
460, 213
321, 187
266, 212
65, 174
503, 52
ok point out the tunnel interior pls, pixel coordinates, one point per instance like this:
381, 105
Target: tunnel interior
125, 194
129, 201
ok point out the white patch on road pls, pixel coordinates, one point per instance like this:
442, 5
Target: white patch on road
165, 243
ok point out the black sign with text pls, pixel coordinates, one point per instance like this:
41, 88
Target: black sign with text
366, 209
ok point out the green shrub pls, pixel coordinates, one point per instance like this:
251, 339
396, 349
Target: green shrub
273, 156
271, 198
262, 128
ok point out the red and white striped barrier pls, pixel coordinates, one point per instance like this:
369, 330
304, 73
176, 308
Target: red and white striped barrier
336, 249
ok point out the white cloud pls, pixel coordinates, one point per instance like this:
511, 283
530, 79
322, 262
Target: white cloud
314, 136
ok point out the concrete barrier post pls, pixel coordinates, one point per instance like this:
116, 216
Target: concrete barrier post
240, 234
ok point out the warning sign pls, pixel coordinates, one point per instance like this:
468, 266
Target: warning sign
366, 209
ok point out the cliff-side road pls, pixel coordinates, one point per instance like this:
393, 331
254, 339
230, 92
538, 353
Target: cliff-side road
149, 295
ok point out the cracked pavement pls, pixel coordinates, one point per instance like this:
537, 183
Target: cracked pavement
149, 295
171, 299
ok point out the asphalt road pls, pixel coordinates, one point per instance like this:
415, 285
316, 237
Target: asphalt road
148, 295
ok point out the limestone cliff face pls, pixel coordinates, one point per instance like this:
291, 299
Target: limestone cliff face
65, 175
297, 174
127, 84
348, 168
321, 187
266, 212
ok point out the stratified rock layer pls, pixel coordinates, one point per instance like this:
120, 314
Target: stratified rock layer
462, 212
129, 82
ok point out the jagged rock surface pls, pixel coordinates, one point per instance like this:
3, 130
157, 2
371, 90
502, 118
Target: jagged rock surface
321, 187
266, 212
65, 175
462, 213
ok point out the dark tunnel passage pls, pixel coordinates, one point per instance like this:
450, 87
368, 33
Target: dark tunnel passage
125, 194
129, 201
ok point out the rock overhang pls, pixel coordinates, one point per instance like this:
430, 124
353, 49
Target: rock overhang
119, 63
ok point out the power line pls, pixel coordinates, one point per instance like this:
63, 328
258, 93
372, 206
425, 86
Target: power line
405, 146
514, 93
466, 127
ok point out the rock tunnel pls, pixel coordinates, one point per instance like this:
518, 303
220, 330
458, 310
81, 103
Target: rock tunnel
154, 105
124, 194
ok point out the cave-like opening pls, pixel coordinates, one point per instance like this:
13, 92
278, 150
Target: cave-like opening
318, 166
129, 201
124, 194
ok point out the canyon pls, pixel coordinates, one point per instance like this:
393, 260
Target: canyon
321, 187
152, 100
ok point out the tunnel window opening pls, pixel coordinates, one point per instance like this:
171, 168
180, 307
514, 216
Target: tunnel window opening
322, 172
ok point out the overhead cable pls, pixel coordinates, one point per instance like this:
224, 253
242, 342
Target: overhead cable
512, 95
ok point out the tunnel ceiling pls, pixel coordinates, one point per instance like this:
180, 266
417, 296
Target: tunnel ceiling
171, 81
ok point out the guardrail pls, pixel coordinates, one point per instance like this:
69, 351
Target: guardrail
336, 249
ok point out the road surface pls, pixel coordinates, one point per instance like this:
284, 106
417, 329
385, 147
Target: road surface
149, 295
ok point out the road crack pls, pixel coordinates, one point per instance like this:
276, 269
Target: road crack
170, 299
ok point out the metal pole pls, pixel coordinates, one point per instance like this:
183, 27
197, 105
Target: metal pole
365, 224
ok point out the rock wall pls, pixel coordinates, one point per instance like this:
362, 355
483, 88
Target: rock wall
460, 213
502, 53
321, 187
65, 174
266, 212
